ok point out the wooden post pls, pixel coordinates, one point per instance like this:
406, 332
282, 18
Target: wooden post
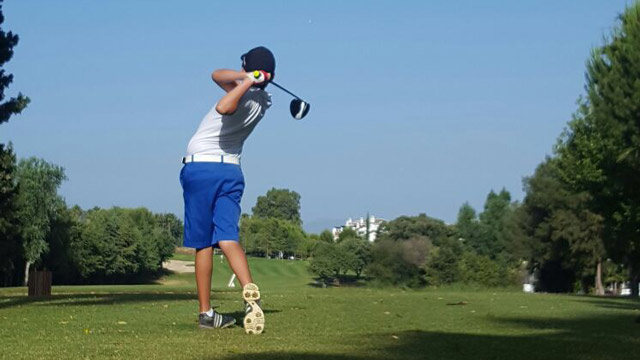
40, 283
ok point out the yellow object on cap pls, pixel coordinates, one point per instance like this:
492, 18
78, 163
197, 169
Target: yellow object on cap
256, 74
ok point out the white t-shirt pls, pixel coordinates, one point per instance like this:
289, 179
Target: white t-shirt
225, 134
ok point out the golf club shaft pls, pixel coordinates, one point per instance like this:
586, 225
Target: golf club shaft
285, 90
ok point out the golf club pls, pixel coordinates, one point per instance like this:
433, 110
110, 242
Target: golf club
299, 108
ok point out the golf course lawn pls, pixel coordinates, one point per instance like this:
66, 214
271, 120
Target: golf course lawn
306, 322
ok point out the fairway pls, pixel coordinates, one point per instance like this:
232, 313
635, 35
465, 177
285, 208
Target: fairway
305, 322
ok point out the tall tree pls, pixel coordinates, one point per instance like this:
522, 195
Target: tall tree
489, 239
468, 225
602, 145
14, 105
264, 236
281, 204
8, 184
37, 203
443, 267
9, 222
173, 225
565, 235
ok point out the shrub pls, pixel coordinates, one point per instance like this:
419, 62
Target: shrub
399, 262
480, 269
442, 268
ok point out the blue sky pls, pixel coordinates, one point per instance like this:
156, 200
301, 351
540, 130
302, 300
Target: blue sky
417, 106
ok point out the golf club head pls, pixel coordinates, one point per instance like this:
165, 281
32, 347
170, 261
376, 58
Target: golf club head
299, 108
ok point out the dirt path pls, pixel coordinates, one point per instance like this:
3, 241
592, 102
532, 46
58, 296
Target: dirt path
179, 266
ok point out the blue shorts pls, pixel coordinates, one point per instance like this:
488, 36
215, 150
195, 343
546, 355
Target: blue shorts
212, 193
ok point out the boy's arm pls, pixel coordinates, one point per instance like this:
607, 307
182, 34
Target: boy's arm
227, 79
229, 103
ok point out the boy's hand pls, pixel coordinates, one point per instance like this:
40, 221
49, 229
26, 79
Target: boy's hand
258, 76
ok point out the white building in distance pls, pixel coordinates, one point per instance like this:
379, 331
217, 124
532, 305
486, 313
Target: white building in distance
360, 227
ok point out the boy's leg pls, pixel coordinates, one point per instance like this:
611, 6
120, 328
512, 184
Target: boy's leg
204, 265
208, 318
254, 316
237, 260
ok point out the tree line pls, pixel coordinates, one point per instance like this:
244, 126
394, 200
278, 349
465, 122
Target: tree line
38, 230
582, 208
78, 246
275, 230
578, 226
416, 251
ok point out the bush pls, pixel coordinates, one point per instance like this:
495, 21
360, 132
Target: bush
480, 269
107, 246
442, 268
355, 254
399, 263
325, 263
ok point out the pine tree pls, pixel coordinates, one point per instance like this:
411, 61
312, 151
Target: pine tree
9, 249
600, 151
9, 246
368, 227
15, 105
614, 95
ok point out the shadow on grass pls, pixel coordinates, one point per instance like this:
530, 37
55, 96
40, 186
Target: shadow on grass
603, 338
619, 303
111, 298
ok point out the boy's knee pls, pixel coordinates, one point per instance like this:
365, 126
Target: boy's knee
228, 244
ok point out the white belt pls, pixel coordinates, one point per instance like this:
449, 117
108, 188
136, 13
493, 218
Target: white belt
228, 159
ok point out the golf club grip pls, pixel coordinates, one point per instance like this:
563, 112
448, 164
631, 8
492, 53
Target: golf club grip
285, 90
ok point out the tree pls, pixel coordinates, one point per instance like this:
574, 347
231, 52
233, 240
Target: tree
65, 229
347, 233
565, 235
407, 227
173, 225
333, 260
15, 105
107, 247
403, 247
325, 263
400, 262
307, 246
601, 148
468, 225
490, 242
326, 236
281, 204
10, 252
114, 245
356, 254
442, 268
120, 245
37, 203
480, 269
264, 236
9, 246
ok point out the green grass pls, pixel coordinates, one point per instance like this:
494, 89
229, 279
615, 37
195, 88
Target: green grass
304, 322
183, 257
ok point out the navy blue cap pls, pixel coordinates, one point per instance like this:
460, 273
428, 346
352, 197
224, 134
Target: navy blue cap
259, 58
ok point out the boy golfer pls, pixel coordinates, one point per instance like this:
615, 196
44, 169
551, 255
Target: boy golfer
213, 183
